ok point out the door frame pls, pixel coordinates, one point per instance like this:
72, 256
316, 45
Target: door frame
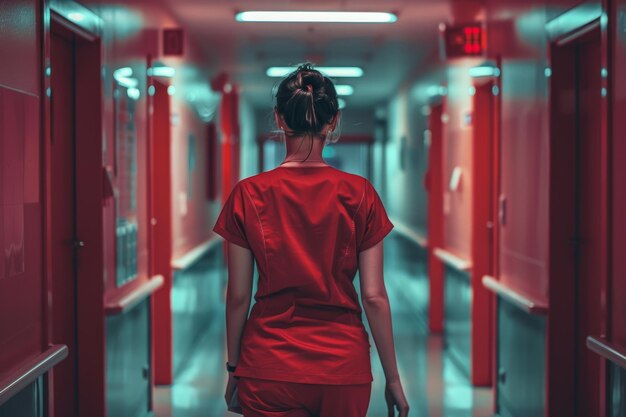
159, 191
485, 163
433, 182
89, 200
563, 30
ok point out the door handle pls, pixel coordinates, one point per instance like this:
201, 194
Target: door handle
502, 375
502, 210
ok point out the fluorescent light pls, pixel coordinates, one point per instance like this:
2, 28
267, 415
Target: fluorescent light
161, 71
437, 91
127, 82
484, 71
328, 71
123, 77
316, 17
344, 90
342, 103
123, 72
133, 93
76, 16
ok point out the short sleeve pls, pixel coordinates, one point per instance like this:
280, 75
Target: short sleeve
230, 223
377, 223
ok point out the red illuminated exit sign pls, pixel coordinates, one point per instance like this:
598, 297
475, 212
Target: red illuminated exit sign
462, 40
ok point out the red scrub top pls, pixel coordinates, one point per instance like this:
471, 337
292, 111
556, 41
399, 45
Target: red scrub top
305, 227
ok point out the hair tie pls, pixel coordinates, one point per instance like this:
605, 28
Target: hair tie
309, 88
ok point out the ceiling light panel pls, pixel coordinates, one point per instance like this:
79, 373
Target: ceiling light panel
344, 90
315, 17
328, 71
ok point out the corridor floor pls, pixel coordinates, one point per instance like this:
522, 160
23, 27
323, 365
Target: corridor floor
433, 385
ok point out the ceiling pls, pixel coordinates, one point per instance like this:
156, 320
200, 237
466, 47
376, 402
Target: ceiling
388, 53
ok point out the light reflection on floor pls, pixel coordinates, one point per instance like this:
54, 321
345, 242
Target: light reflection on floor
433, 385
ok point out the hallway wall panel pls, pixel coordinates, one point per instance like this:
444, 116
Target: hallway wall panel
524, 149
19, 34
191, 215
406, 160
23, 286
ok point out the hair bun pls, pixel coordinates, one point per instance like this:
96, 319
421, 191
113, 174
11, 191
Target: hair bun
307, 100
311, 80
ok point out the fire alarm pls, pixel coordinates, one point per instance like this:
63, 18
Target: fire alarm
173, 41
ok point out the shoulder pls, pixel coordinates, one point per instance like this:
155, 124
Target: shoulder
273, 178
259, 180
356, 181
353, 178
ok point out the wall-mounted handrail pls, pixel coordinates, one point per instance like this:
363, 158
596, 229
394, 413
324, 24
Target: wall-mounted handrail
127, 301
410, 233
194, 255
14, 381
607, 350
525, 303
452, 260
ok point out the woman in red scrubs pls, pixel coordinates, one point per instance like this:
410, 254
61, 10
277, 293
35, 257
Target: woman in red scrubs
304, 351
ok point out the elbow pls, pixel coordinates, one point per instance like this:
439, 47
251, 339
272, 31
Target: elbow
375, 302
235, 299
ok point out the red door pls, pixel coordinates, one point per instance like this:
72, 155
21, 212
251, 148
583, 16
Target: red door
63, 226
577, 215
161, 236
484, 159
434, 186
588, 235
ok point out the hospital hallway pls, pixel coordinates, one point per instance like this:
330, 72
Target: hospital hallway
141, 139
435, 386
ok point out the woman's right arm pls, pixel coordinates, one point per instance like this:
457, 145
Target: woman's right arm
376, 306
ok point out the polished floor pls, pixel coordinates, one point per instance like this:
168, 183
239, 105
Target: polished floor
433, 385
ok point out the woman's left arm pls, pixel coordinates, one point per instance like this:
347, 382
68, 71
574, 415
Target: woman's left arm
238, 297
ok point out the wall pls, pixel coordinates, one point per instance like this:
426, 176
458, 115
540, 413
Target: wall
524, 147
130, 38
407, 116
405, 161
191, 219
457, 154
249, 149
518, 39
22, 281
357, 121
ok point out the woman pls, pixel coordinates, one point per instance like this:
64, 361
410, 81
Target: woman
304, 350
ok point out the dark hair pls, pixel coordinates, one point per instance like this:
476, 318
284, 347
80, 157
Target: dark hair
307, 100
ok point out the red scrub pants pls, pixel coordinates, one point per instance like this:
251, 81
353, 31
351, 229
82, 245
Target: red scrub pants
265, 398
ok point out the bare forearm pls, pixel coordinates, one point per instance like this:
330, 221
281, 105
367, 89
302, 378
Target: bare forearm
236, 316
379, 317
